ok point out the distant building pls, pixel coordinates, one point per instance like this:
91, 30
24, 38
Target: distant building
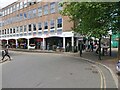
37, 23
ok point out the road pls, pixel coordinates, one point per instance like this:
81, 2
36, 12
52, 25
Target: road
32, 70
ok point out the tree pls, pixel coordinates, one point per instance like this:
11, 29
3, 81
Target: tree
94, 18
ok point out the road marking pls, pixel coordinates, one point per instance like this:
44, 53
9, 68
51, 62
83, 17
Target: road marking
103, 80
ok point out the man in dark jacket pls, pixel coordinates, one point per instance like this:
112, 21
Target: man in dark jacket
81, 48
5, 54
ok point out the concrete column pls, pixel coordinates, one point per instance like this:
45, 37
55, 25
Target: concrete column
28, 43
72, 44
77, 43
7, 42
16, 43
64, 43
43, 43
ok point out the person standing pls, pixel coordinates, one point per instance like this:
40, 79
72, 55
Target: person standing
81, 48
5, 54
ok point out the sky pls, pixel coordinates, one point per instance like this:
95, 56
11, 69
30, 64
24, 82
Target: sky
4, 3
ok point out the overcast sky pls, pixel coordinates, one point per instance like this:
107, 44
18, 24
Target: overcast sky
4, 3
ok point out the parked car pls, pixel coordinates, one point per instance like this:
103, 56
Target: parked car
118, 66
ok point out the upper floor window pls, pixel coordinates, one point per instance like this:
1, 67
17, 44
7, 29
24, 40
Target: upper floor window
10, 30
34, 27
34, 12
21, 29
40, 11
11, 10
8, 11
52, 24
5, 12
14, 8
59, 7
18, 6
25, 3
21, 5
25, 15
59, 22
30, 14
29, 27
7, 31
2, 32
25, 28
45, 9
39, 26
21, 16
52, 7
46, 25
17, 29
13, 30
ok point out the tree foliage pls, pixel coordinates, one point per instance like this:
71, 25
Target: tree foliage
94, 18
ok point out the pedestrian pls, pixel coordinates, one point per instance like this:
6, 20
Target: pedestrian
97, 48
5, 53
81, 48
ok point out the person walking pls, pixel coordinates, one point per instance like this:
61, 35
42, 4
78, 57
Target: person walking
5, 53
81, 48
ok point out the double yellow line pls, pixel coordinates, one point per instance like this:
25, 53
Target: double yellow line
102, 78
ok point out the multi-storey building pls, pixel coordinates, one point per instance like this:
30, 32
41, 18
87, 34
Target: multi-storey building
26, 23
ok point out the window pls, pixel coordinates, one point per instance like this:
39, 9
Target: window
14, 8
7, 31
59, 23
17, 16
17, 30
29, 14
25, 16
8, 11
21, 29
59, 7
39, 26
21, 5
21, 16
18, 6
52, 7
11, 10
10, 30
34, 13
45, 9
25, 3
25, 28
30, 27
40, 11
25, 34
5, 12
45, 32
34, 27
40, 33
45, 25
52, 24
13, 30
2, 32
